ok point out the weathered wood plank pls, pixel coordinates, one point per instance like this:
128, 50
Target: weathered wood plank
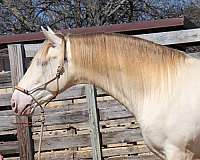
8, 123
62, 116
9, 147
17, 57
5, 99
11, 131
5, 85
72, 93
143, 157
12, 158
31, 49
5, 76
76, 92
84, 126
125, 136
5, 80
195, 55
173, 37
70, 114
12, 147
94, 122
83, 140
87, 137
87, 154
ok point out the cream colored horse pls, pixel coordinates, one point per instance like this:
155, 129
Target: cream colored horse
161, 86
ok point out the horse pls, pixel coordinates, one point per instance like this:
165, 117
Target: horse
159, 85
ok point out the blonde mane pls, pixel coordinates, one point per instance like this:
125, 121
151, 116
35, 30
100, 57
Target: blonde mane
130, 49
114, 52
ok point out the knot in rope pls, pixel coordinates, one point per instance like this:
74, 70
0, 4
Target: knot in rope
60, 71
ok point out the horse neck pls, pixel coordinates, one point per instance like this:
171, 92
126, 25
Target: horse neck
114, 83
130, 79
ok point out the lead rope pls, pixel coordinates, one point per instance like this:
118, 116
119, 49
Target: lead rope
60, 71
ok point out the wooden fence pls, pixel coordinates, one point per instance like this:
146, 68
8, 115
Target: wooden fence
67, 132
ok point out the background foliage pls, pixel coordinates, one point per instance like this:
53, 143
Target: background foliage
19, 16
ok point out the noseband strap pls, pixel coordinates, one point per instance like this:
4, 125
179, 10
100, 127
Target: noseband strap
22, 90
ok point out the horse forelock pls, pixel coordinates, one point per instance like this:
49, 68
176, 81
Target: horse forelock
42, 55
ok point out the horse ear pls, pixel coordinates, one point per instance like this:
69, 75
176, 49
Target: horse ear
50, 30
52, 37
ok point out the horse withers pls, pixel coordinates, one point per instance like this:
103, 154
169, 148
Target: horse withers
159, 85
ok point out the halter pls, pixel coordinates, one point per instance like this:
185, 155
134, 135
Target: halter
60, 71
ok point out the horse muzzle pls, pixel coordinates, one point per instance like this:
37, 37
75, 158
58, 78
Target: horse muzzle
21, 103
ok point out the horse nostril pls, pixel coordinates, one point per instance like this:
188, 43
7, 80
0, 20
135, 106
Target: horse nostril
13, 104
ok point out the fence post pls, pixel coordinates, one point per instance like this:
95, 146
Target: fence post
96, 140
24, 136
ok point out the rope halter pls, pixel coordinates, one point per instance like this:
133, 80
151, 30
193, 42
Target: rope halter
60, 71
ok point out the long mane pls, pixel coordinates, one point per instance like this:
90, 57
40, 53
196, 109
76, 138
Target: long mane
124, 59
125, 47
121, 52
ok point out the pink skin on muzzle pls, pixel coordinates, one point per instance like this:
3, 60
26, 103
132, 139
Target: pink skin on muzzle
21, 103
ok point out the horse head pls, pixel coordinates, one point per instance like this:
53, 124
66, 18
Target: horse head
47, 75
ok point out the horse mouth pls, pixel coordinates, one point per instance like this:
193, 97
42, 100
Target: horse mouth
27, 111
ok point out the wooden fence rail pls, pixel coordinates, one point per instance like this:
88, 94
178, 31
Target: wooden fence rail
5, 80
